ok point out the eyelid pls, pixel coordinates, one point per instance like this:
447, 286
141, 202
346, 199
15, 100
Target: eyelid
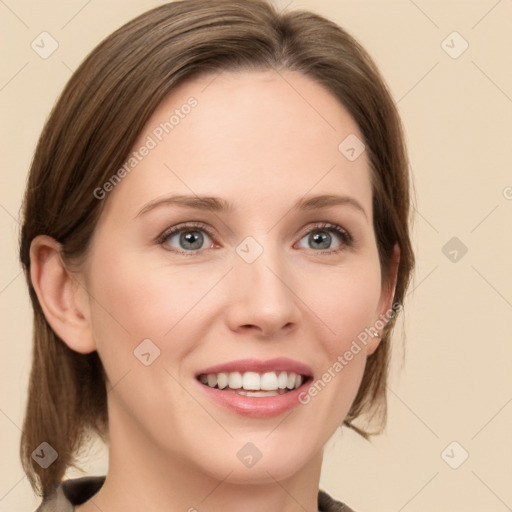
344, 234
347, 240
192, 225
328, 226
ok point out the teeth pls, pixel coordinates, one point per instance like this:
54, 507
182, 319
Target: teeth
235, 380
268, 381
253, 382
222, 380
258, 393
282, 380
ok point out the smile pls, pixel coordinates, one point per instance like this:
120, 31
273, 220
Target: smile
252, 388
253, 383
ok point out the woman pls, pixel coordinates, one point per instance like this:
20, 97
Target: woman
216, 245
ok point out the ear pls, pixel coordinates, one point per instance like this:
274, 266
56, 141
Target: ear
385, 307
63, 299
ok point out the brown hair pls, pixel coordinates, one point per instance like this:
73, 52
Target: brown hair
92, 129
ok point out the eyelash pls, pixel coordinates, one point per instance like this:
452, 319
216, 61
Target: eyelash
344, 235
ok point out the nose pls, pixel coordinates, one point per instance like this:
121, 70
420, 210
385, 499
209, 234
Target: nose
262, 298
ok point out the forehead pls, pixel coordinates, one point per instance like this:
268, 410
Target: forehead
260, 135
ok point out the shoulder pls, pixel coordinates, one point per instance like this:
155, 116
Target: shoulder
70, 493
328, 504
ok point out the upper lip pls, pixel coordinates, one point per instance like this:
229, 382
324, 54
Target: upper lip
279, 364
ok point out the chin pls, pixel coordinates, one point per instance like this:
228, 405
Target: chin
254, 459
264, 472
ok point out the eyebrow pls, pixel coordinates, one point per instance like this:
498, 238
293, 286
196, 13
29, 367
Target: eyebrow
217, 204
327, 200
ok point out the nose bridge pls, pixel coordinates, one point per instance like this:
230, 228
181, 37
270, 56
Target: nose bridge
263, 293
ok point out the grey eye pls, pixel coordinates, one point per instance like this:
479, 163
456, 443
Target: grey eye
321, 239
187, 239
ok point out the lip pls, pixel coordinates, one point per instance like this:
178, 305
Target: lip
278, 364
258, 407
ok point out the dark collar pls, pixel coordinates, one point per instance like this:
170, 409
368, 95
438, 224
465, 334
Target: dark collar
79, 490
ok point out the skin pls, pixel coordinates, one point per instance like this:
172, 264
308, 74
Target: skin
262, 145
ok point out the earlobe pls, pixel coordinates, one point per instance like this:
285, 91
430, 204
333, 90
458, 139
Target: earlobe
385, 310
60, 295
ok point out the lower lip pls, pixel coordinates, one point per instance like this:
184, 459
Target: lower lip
256, 407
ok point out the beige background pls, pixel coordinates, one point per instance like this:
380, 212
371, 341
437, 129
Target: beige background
456, 383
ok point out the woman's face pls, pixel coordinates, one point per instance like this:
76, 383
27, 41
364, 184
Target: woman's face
263, 279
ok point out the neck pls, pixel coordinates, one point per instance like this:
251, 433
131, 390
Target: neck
142, 476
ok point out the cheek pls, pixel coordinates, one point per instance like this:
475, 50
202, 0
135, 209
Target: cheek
145, 301
346, 301
134, 299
